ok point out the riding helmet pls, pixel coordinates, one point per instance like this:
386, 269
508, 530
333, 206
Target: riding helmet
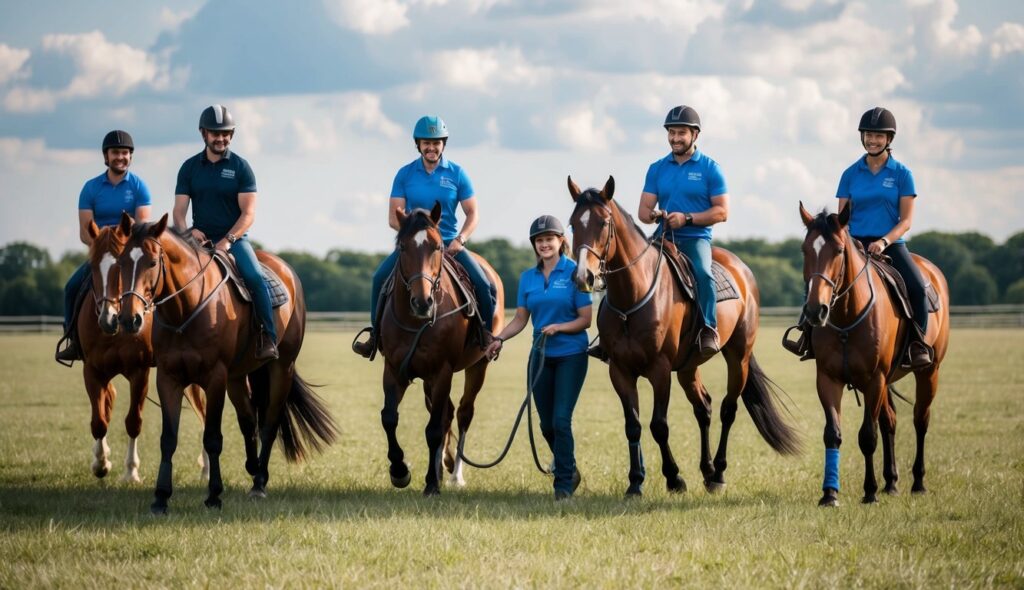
430, 127
682, 116
118, 139
216, 118
878, 119
546, 224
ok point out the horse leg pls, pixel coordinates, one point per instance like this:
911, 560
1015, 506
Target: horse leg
738, 364
887, 424
830, 394
280, 378
213, 437
661, 381
239, 395
139, 383
100, 398
394, 391
194, 394
474, 382
440, 389
875, 395
170, 392
625, 386
927, 387
701, 402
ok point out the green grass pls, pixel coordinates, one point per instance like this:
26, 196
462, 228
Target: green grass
336, 521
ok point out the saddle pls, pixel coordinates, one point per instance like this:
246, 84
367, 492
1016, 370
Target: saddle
682, 271
898, 289
278, 294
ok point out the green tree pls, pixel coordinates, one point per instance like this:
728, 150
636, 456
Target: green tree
1006, 261
972, 285
780, 284
1015, 292
944, 250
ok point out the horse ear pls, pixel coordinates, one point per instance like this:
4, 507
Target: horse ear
805, 216
125, 226
574, 189
159, 228
435, 212
93, 230
844, 215
609, 189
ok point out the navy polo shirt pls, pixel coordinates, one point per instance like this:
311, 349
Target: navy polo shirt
448, 184
686, 188
214, 188
554, 301
107, 201
875, 197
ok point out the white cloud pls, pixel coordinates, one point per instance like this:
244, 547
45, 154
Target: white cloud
363, 111
105, 68
936, 18
171, 20
11, 60
587, 131
685, 15
22, 99
484, 69
1008, 38
373, 17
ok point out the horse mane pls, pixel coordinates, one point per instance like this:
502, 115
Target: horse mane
417, 220
825, 224
592, 196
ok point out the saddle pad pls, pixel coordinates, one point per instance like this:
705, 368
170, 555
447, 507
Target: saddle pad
725, 289
682, 270
932, 298
278, 294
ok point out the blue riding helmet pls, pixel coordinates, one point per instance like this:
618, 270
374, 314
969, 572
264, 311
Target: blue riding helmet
430, 127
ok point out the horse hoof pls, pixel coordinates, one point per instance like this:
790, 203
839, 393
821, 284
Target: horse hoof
828, 502
101, 471
131, 478
213, 503
402, 481
431, 491
869, 499
257, 494
634, 492
714, 487
456, 482
158, 509
891, 490
676, 485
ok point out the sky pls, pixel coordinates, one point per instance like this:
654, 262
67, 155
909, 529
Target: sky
325, 94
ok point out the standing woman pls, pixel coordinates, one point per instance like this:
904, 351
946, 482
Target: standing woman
562, 313
882, 193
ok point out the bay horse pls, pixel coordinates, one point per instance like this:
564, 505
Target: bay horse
426, 334
204, 334
857, 338
106, 353
656, 335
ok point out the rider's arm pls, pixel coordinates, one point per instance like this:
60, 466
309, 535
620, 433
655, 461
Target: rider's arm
717, 213
394, 205
843, 202
142, 213
180, 211
469, 225
648, 203
84, 217
247, 203
906, 218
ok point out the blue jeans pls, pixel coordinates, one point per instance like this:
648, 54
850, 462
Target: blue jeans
74, 285
698, 250
252, 273
556, 391
912, 277
486, 293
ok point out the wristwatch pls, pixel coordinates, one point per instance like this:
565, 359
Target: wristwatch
885, 242
461, 238
231, 238
689, 218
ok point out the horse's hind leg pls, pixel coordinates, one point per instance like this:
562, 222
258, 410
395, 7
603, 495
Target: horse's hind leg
238, 393
738, 371
139, 383
213, 436
101, 397
927, 387
625, 386
194, 394
887, 424
661, 382
394, 391
701, 402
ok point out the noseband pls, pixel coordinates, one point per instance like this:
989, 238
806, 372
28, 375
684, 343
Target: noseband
839, 294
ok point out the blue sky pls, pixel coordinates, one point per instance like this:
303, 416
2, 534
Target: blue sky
326, 92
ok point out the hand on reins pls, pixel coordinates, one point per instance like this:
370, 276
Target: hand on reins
198, 235
494, 348
454, 247
876, 248
223, 245
551, 329
675, 219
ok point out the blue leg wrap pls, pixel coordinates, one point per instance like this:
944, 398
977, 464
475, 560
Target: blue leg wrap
831, 470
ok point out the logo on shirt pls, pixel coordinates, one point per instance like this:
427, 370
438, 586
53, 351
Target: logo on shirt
563, 283
889, 182
129, 196
447, 183
694, 176
227, 173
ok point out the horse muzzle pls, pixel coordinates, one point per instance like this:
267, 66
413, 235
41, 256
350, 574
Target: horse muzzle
132, 322
108, 321
816, 314
422, 308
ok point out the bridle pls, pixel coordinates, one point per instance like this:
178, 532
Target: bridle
840, 294
433, 279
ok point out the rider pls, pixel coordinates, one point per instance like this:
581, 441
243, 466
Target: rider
881, 191
548, 293
428, 179
222, 189
689, 188
102, 200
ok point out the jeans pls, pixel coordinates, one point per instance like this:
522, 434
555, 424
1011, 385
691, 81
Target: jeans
74, 285
555, 392
911, 274
252, 273
698, 250
486, 293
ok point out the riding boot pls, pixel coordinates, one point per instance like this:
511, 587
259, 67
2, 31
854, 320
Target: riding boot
707, 341
267, 349
599, 353
919, 355
802, 345
72, 352
365, 349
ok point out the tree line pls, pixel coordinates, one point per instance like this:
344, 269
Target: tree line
979, 271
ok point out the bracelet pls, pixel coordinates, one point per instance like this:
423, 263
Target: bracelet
689, 218
461, 238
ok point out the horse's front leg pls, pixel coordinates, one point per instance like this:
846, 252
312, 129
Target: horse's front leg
661, 382
887, 424
927, 387
138, 380
440, 388
625, 386
213, 436
700, 399
101, 393
170, 391
394, 391
830, 394
473, 384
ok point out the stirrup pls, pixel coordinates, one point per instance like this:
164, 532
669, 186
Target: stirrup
714, 348
802, 345
924, 361
368, 349
599, 353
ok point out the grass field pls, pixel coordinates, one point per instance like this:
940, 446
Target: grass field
337, 522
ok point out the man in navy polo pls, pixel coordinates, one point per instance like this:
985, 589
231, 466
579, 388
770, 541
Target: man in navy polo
690, 190
102, 200
222, 189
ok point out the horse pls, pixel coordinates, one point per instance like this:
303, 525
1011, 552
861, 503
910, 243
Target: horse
656, 335
426, 333
203, 333
856, 336
107, 353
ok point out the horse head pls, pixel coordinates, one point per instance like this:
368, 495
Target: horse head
593, 233
107, 244
824, 250
420, 252
142, 272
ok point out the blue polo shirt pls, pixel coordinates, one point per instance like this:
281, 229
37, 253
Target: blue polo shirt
214, 188
447, 184
686, 188
107, 201
554, 301
875, 197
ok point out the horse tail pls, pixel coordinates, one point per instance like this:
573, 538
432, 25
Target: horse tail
759, 396
306, 423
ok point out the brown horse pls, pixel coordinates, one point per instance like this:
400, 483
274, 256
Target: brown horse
656, 333
425, 333
107, 353
204, 334
856, 338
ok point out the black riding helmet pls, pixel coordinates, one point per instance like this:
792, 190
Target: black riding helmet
877, 119
682, 116
118, 139
216, 118
546, 224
